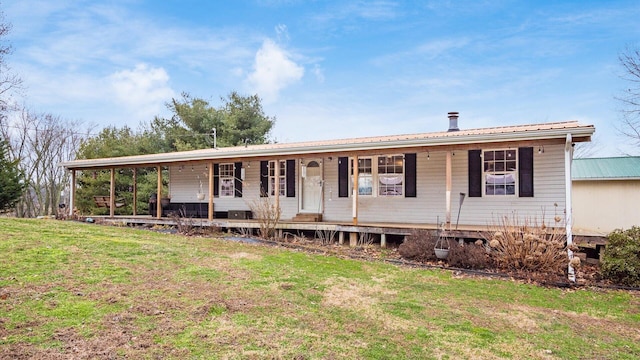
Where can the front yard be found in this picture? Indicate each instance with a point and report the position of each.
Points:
(72, 290)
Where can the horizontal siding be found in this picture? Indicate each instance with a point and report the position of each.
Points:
(184, 185)
(429, 206)
(600, 207)
(549, 190)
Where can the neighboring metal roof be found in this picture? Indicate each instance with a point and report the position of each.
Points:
(611, 168)
(556, 130)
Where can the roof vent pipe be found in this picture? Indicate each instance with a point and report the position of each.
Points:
(453, 121)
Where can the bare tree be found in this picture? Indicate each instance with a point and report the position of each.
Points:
(40, 142)
(584, 150)
(9, 82)
(630, 98)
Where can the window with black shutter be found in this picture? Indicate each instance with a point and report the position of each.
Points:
(343, 176)
(475, 173)
(238, 179)
(525, 171)
(216, 180)
(291, 178)
(264, 178)
(410, 175)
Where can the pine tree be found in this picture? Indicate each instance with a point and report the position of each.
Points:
(11, 181)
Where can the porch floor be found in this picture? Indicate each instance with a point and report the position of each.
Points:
(285, 226)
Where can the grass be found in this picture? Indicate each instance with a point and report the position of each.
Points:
(71, 290)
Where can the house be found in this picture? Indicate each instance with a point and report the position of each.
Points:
(466, 179)
(606, 194)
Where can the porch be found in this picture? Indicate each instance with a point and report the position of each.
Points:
(344, 232)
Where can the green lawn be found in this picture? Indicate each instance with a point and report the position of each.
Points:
(70, 290)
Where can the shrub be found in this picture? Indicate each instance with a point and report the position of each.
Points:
(528, 246)
(468, 256)
(419, 246)
(621, 259)
(268, 215)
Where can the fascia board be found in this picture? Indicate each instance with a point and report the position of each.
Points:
(329, 148)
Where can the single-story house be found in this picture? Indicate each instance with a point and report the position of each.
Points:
(466, 179)
(606, 194)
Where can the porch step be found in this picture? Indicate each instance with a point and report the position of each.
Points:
(308, 217)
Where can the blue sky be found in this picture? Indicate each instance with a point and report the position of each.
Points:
(331, 69)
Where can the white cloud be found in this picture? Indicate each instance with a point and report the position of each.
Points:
(142, 90)
(273, 70)
(282, 32)
(317, 71)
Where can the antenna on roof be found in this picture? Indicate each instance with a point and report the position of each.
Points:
(213, 138)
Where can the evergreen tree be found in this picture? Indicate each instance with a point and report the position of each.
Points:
(11, 181)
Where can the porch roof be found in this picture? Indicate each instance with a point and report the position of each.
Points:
(544, 131)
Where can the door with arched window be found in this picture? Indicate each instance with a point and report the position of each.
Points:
(312, 187)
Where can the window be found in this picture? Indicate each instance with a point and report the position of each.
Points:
(365, 176)
(500, 172)
(227, 182)
(387, 179)
(281, 177)
(390, 175)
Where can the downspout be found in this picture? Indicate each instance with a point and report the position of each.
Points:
(568, 157)
(448, 186)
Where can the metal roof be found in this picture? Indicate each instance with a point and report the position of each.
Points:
(611, 168)
(545, 131)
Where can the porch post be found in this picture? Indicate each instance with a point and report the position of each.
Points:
(568, 157)
(448, 189)
(355, 190)
(135, 192)
(112, 195)
(210, 212)
(72, 192)
(159, 191)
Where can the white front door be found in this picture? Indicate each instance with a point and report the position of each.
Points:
(312, 184)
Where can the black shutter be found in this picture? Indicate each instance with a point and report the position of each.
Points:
(216, 180)
(525, 171)
(237, 174)
(291, 178)
(264, 178)
(410, 171)
(343, 177)
(475, 173)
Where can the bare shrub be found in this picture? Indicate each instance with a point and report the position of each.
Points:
(419, 246)
(364, 240)
(468, 256)
(528, 246)
(184, 224)
(268, 213)
(245, 231)
(326, 237)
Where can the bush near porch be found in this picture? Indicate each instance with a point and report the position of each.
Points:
(621, 260)
(532, 252)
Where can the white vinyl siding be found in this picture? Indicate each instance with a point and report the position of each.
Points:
(428, 207)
